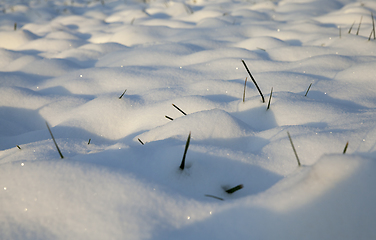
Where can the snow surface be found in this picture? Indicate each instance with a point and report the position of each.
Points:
(67, 62)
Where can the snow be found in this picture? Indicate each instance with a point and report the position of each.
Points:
(66, 63)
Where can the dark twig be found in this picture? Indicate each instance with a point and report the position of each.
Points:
(369, 38)
(182, 165)
(19, 147)
(351, 27)
(15, 26)
(57, 147)
(169, 118)
(212, 196)
(293, 148)
(234, 189)
(89, 141)
(179, 109)
(140, 141)
(270, 99)
(254, 81)
(122, 94)
(245, 86)
(360, 23)
(345, 149)
(309, 87)
(373, 26)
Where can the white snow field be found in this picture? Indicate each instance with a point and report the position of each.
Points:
(67, 63)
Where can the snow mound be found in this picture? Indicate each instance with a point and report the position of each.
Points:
(203, 125)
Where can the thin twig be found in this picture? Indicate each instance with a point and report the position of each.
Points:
(122, 94)
(293, 148)
(351, 27)
(18, 147)
(360, 23)
(57, 147)
(234, 189)
(170, 118)
(89, 141)
(179, 109)
(345, 149)
(245, 86)
(212, 196)
(308, 90)
(373, 26)
(254, 81)
(182, 165)
(270, 99)
(141, 141)
(15, 26)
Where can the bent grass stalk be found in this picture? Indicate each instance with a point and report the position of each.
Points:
(293, 148)
(179, 109)
(254, 81)
(182, 165)
(270, 99)
(57, 147)
(309, 87)
(234, 189)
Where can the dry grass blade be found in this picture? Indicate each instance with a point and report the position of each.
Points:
(212, 196)
(140, 141)
(309, 87)
(345, 149)
(293, 148)
(351, 27)
(245, 86)
(15, 26)
(57, 147)
(369, 38)
(339, 31)
(360, 23)
(234, 189)
(122, 94)
(169, 118)
(182, 165)
(179, 109)
(373, 26)
(270, 99)
(254, 81)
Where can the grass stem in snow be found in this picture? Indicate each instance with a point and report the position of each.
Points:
(270, 99)
(339, 31)
(245, 86)
(15, 26)
(89, 141)
(345, 149)
(293, 148)
(18, 147)
(122, 94)
(234, 189)
(373, 26)
(254, 81)
(309, 87)
(351, 27)
(169, 118)
(212, 196)
(360, 23)
(179, 109)
(182, 165)
(57, 147)
(140, 141)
